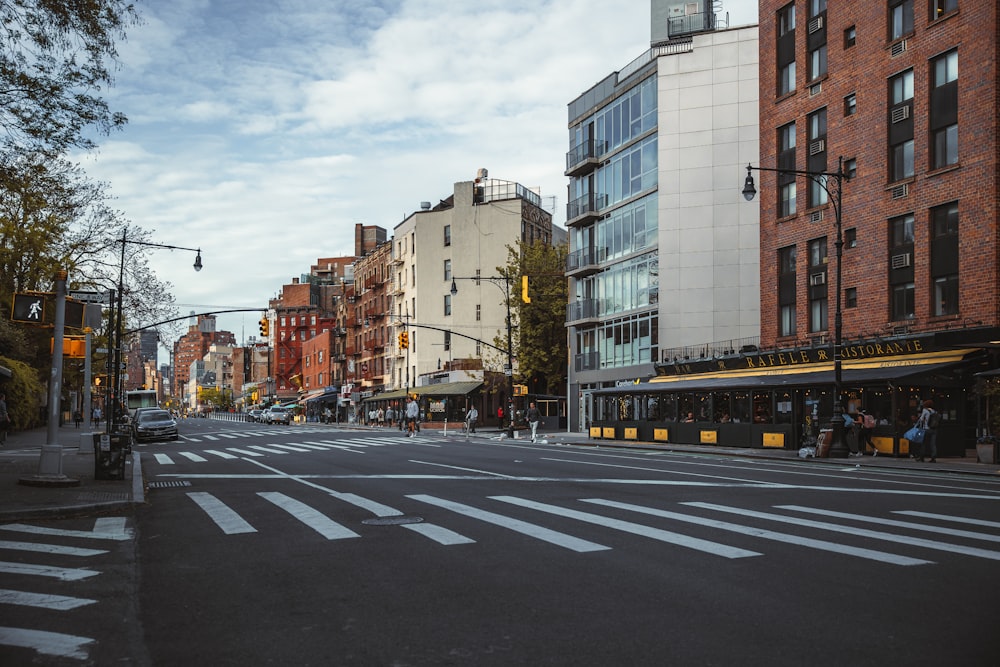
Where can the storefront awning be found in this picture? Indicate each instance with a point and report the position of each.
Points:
(436, 390)
(319, 393)
(868, 370)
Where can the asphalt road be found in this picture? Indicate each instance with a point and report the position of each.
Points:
(308, 545)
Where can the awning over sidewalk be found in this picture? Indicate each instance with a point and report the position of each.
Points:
(436, 390)
(318, 394)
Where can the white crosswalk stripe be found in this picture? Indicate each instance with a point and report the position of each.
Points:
(60, 573)
(244, 452)
(225, 518)
(45, 601)
(319, 522)
(221, 455)
(56, 644)
(270, 450)
(163, 459)
(193, 457)
(896, 524)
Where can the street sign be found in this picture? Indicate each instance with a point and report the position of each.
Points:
(90, 297)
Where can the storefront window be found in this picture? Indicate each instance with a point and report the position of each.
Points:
(762, 413)
(723, 411)
(741, 406)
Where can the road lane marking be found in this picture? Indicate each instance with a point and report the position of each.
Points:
(523, 527)
(291, 448)
(269, 450)
(677, 539)
(50, 548)
(953, 532)
(338, 443)
(319, 522)
(954, 519)
(192, 456)
(244, 452)
(216, 452)
(209, 437)
(224, 517)
(823, 545)
(473, 470)
(310, 447)
(853, 530)
(105, 528)
(53, 602)
(163, 459)
(60, 573)
(47, 643)
(438, 534)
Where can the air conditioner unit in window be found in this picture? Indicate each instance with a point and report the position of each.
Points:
(815, 24)
(817, 279)
(815, 90)
(817, 146)
(900, 191)
(898, 48)
(901, 261)
(900, 114)
(816, 216)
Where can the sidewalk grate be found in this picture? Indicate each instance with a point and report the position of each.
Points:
(169, 484)
(92, 497)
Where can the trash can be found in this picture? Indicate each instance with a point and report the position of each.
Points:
(110, 450)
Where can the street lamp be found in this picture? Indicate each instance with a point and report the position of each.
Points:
(115, 387)
(509, 370)
(838, 448)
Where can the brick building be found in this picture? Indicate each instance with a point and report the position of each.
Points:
(193, 346)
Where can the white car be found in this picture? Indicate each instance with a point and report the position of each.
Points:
(277, 415)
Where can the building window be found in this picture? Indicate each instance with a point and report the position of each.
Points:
(786, 79)
(945, 146)
(902, 302)
(786, 19)
(902, 160)
(850, 105)
(479, 312)
(944, 259)
(851, 167)
(941, 7)
(817, 286)
(851, 237)
(817, 63)
(818, 196)
(786, 203)
(851, 297)
(901, 87)
(900, 19)
(786, 160)
(447, 235)
(816, 7)
(850, 37)
(786, 291)
(447, 341)
(447, 269)
(447, 304)
(945, 68)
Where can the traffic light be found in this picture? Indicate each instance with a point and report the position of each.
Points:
(524, 290)
(265, 327)
(404, 340)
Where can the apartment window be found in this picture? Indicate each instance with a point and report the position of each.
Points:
(901, 87)
(851, 104)
(447, 341)
(786, 291)
(816, 160)
(901, 267)
(943, 110)
(900, 18)
(851, 167)
(786, 160)
(447, 304)
(817, 286)
(902, 232)
(786, 79)
(902, 302)
(944, 259)
(851, 297)
(786, 19)
(941, 7)
(902, 160)
(851, 237)
(479, 312)
(850, 37)
(816, 7)
(447, 235)
(817, 62)
(785, 50)
(447, 269)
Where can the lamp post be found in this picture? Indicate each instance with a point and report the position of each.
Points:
(115, 386)
(838, 448)
(509, 370)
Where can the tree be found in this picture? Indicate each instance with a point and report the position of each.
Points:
(540, 343)
(55, 58)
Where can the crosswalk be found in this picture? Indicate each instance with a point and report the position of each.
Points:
(352, 445)
(691, 525)
(43, 575)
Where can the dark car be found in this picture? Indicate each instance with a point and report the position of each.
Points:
(154, 425)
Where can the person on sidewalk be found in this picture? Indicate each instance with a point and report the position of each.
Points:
(470, 420)
(412, 414)
(533, 416)
(77, 418)
(929, 420)
(867, 422)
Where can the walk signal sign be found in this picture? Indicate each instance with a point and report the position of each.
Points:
(29, 307)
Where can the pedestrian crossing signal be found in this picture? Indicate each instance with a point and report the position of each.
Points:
(28, 307)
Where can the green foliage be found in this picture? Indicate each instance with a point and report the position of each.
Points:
(25, 391)
(55, 59)
(540, 344)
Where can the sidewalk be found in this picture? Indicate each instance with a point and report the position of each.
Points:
(20, 457)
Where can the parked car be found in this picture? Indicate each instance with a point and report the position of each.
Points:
(255, 415)
(279, 415)
(154, 425)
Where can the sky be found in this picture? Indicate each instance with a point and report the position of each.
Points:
(262, 131)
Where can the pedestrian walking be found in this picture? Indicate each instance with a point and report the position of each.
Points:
(95, 417)
(533, 416)
(412, 414)
(77, 418)
(380, 417)
(929, 421)
(867, 421)
(390, 416)
(470, 420)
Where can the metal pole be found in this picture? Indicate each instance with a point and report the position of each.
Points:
(838, 448)
(510, 366)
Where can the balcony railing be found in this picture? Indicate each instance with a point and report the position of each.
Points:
(584, 208)
(588, 361)
(584, 309)
(584, 156)
(581, 260)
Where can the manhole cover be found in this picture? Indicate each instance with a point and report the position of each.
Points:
(397, 520)
(169, 484)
